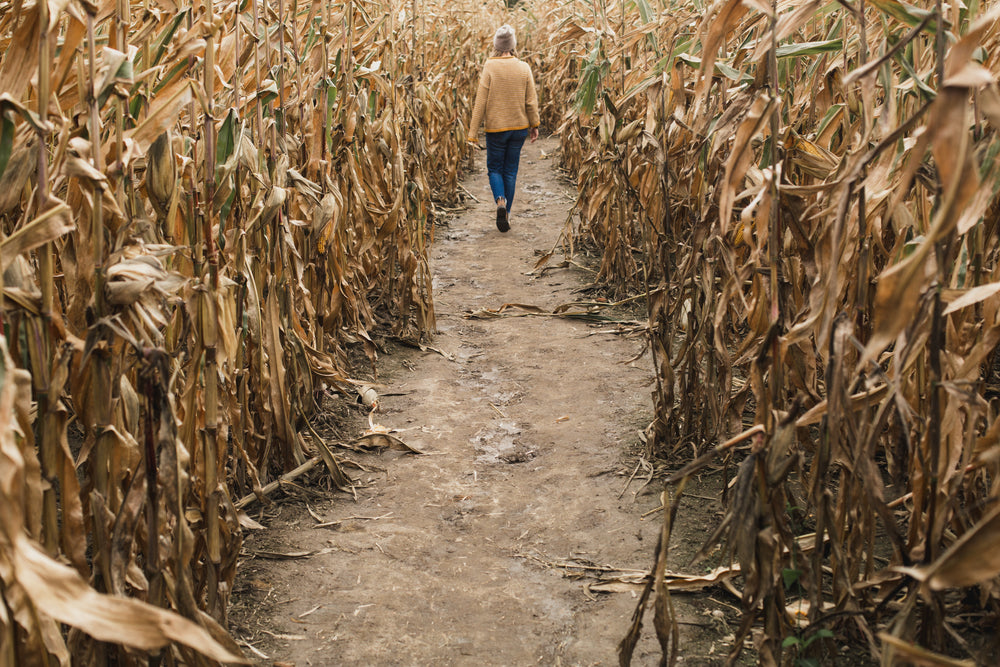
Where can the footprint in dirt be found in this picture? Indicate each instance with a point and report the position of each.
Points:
(500, 443)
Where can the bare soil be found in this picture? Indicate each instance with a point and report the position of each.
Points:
(482, 550)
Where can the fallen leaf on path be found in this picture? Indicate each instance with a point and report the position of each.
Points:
(496, 312)
(622, 580)
(590, 313)
(426, 348)
(613, 587)
(247, 523)
(379, 440)
(676, 581)
(541, 269)
(543, 260)
(291, 555)
(256, 651)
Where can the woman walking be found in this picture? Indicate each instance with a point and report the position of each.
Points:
(507, 104)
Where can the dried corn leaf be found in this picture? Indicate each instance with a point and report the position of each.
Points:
(973, 559)
(20, 64)
(163, 113)
(901, 651)
(379, 440)
(959, 300)
(59, 592)
(55, 222)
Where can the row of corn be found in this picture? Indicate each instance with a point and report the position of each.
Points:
(806, 192)
(205, 207)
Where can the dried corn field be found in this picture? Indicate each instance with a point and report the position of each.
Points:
(207, 207)
(806, 192)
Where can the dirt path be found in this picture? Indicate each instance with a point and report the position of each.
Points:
(524, 429)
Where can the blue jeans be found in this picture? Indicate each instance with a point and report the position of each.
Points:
(503, 152)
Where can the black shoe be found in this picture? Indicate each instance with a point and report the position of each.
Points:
(502, 223)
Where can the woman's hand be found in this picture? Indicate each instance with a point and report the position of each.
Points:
(533, 134)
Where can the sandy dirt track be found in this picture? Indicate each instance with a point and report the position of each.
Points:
(448, 558)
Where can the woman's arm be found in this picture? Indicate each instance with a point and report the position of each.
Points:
(531, 106)
(479, 108)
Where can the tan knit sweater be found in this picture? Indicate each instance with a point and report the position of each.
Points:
(506, 99)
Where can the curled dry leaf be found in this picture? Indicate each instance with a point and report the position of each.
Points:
(973, 559)
(900, 651)
(58, 592)
(383, 440)
(55, 222)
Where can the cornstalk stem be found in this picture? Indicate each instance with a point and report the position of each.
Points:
(238, 69)
(324, 93)
(97, 213)
(209, 332)
(936, 344)
(47, 444)
(259, 117)
(124, 10)
(281, 70)
(193, 228)
(861, 307)
(100, 363)
(42, 191)
(937, 341)
(349, 51)
(209, 138)
(413, 49)
(774, 242)
(152, 418)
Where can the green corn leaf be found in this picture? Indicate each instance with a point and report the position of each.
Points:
(268, 92)
(809, 48)
(163, 41)
(313, 35)
(929, 93)
(731, 72)
(172, 74)
(830, 114)
(120, 71)
(789, 576)
(226, 141)
(645, 11)
(590, 82)
(721, 69)
(225, 165)
(6, 140)
(227, 206)
(904, 13)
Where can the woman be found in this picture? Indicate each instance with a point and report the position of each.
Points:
(507, 104)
